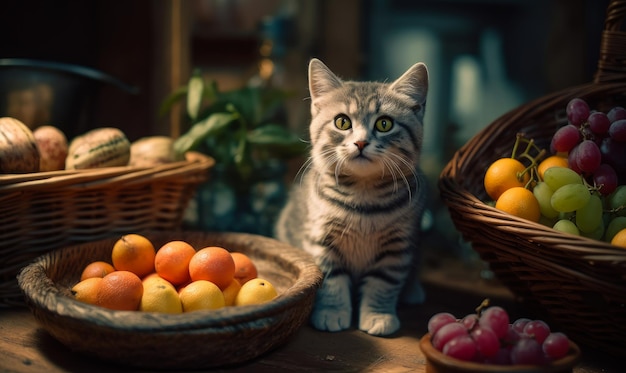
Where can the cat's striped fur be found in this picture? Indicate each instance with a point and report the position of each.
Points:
(357, 207)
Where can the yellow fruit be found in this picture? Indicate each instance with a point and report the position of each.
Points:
(159, 295)
(201, 295)
(619, 239)
(520, 202)
(255, 291)
(504, 174)
(134, 253)
(87, 290)
(551, 161)
(231, 291)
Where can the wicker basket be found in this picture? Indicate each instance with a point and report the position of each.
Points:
(43, 211)
(578, 284)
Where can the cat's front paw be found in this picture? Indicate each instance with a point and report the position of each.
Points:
(331, 319)
(379, 324)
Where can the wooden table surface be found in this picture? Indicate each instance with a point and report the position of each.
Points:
(26, 347)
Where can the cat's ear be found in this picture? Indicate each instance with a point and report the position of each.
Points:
(321, 79)
(413, 83)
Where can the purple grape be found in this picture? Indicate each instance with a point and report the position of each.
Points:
(438, 320)
(503, 357)
(512, 335)
(617, 131)
(556, 345)
(572, 160)
(519, 324)
(565, 138)
(614, 154)
(527, 351)
(486, 340)
(446, 333)
(599, 122)
(470, 321)
(588, 156)
(606, 179)
(616, 113)
(496, 319)
(461, 347)
(577, 111)
(537, 329)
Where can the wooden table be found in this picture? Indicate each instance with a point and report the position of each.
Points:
(25, 347)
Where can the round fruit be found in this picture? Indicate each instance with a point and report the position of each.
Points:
(520, 202)
(201, 295)
(53, 147)
(245, 270)
(172, 261)
(87, 290)
(96, 269)
(231, 291)
(503, 174)
(551, 161)
(619, 239)
(18, 148)
(255, 291)
(159, 296)
(120, 290)
(213, 264)
(134, 253)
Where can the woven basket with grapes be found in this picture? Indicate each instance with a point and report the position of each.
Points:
(573, 275)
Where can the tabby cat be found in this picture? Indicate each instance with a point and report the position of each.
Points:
(357, 208)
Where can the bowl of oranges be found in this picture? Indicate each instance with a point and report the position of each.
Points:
(175, 300)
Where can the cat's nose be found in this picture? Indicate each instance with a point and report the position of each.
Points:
(361, 144)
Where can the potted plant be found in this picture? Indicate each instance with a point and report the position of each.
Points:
(245, 131)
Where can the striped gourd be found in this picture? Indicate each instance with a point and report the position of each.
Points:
(100, 147)
(18, 149)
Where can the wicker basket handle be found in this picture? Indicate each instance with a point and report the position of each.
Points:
(612, 61)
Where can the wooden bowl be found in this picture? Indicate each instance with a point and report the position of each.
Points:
(200, 339)
(437, 362)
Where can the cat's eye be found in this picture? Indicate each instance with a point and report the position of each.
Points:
(343, 122)
(384, 124)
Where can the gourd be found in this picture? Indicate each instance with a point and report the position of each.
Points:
(18, 148)
(100, 147)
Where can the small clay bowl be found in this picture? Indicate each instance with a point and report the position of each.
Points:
(437, 362)
(193, 340)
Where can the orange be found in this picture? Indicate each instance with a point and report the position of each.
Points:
(504, 174)
(619, 239)
(245, 270)
(520, 202)
(120, 290)
(201, 295)
(551, 161)
(213, 264)
(87, 290)
(172, 261)
(134, 253)
(255, 291)
(231, 291)
(96, 269)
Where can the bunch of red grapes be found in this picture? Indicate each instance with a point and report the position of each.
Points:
(595, 142)
(488, 337)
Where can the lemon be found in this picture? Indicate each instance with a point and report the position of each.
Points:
(619, 239)
(231, 291)
(159, 296)
(255, 291)
(87, 290)
(201, 295)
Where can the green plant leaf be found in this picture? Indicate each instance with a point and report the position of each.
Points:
(170, 100)
(194, 95)
(277, 140)
(199, 131)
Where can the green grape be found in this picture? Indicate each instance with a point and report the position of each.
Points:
(570, 197)
(618, 199)
(566, 226)
(615, 225)
(557, 177)
(589, 217)
(596, 234)
(543, 193)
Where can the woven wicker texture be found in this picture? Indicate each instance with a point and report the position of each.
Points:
(43, 211)
(579, 284)
(192, 340)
